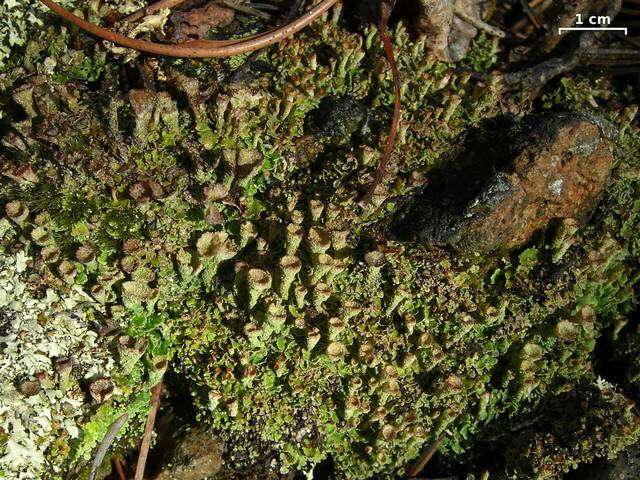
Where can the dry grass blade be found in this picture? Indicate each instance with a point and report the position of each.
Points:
(148, 431)
(246, 9)
(425, 457)
(386, 8)
(106, 442)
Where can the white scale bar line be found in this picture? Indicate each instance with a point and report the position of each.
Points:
(594, 29)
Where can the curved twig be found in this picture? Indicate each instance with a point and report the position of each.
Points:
(198, 48)
(385, 12)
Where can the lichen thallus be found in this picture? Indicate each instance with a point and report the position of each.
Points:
(225, 48)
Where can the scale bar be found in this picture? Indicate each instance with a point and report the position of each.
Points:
(594, 29)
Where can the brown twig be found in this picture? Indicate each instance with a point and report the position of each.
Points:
(386, 7)
(199, 48)
(417, 467)
(632, 40)
(533, 16)
(539, 7)
(118, 464)
(246, 9)
(479, 24)
(534, 78)
(611, 57)
(153, 8)
(148, 431)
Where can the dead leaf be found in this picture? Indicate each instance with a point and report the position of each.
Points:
(197, 22)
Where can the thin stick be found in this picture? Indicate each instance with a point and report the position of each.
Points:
(263, 6)
(425, 457)
(625, 71)
(246, 9)
(532, 14)
(199, 48)
(148, 431)
(119, 469)
(106, 442)
(386, 6)
(632, 40)
(153, 8)
(543, 4)
(479, 24)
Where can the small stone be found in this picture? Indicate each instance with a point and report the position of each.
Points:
(195, 454)
(337, 119)
(548, 169)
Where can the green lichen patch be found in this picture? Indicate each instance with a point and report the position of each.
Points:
(50, 355)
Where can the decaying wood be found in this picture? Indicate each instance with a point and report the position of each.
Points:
(197, 22)
(533, 79)
(151, 9)
(435, 21)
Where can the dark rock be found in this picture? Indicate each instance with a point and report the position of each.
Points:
(542, 169)
(625, 467)
(337, 119)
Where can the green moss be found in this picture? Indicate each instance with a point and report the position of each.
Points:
(482, 55)
(96, 428)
